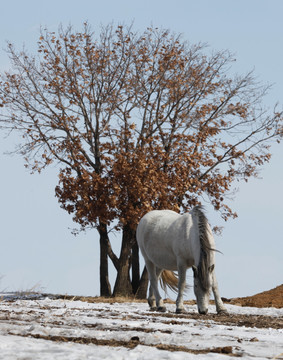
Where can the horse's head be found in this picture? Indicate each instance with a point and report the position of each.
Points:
(202, 287)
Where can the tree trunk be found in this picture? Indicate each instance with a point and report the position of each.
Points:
(143, 285)
(105, 288)
(123, 286)
(135, 267)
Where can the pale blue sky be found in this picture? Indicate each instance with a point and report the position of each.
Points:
(37, 247)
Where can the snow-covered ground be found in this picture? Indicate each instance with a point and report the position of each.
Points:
(43, 328)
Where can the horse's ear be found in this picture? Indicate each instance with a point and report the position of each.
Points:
(195, 270)
(211, 268)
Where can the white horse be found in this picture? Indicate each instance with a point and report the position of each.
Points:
(170, 242)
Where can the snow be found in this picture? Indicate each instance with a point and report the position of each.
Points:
(44, 328)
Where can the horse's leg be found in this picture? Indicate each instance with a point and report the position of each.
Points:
(182, 269)
(160, 304)
(220, 308)
(153, 274)
(151, 299)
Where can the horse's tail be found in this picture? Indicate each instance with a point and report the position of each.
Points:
(169, 279)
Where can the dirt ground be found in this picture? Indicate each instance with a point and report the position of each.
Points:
(270, 298)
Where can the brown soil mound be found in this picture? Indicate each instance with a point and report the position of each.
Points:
(270, 298)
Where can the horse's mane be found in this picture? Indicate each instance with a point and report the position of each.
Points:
(205, 249)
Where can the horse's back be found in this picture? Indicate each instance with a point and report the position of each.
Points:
(160, 235)
(156, 215)
(155, 221)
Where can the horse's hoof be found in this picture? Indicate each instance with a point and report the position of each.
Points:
(154, 308)
(161, 309)
(180, 311)
(222, 312)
